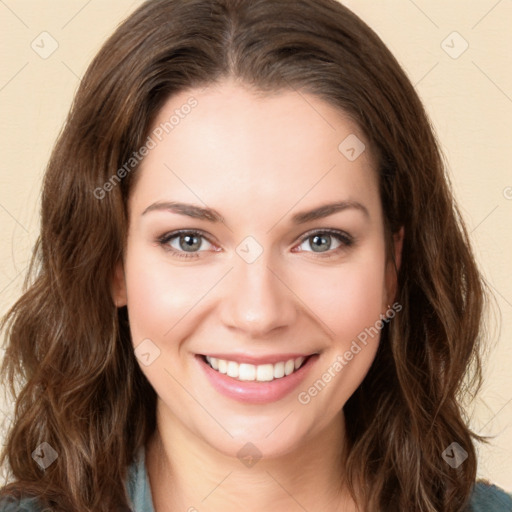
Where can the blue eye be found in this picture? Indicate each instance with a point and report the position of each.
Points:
(190, 243)
(184, 244)
(321, 241)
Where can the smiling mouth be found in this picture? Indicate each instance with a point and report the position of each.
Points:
(255, 373)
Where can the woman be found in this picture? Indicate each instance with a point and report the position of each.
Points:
(185, 341)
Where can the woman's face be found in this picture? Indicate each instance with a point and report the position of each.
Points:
(265, 271)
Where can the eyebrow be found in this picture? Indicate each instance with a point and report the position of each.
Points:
(212, 215)
(197, 212)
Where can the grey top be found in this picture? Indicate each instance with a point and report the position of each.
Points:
(486, 497)
(137, 485)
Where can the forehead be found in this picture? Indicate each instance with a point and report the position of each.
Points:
(225, 145)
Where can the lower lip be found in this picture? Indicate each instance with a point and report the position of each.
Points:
(254, 392)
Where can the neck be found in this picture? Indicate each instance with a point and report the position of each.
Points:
(187, 474)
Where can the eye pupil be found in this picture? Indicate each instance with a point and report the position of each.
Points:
(324, 242)
(190, 242)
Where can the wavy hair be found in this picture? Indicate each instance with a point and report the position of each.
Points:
(69, 360)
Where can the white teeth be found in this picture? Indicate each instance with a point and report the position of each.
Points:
(298, 362)
(232, 369)
(251, 372)
(278, 370)
(247, 371)
(223, 366)
(289, 366)
(265, 372)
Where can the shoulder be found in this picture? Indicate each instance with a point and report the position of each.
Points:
(137, 484)
(487, 497)
(137, 488)
(11, 504)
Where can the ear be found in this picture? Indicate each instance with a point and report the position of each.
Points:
(394, 266)
(119, 295)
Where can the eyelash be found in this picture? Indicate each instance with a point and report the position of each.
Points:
(343, 237)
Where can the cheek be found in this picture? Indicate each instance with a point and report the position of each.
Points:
(347, 299)
(349, 305)
(162, 299)
(159, 294)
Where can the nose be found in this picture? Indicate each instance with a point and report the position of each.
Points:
(258, 301)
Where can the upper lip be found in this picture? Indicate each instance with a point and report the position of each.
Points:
(256, 360)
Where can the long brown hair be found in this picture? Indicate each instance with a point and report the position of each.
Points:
(69, 360)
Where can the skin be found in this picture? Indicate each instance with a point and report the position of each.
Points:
(257, 161)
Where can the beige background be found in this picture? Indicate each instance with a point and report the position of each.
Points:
(468, 96)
